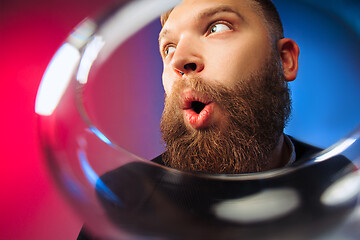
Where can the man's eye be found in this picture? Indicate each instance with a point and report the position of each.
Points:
(219, 27)
(169, 49)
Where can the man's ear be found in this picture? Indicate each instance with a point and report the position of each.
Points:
(289, 55)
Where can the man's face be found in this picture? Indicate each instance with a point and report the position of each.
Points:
(221, 41)
(225, 95)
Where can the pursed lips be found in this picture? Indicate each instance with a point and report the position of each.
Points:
(197, 109)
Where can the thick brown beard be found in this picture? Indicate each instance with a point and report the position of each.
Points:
(257, 108)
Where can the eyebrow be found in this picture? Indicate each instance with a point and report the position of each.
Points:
(207, 13)
(212, 11)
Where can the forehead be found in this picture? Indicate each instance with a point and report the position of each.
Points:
(190, 11)
(236, 4)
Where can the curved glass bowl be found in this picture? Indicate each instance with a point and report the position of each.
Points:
(98, 107)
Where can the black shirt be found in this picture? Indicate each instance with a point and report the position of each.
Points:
(158, 202)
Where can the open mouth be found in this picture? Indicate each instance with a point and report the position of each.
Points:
(198, 109)
(197, 106)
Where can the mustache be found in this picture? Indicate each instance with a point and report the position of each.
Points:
(212, 90)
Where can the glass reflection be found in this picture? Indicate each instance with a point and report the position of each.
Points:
(122, 195)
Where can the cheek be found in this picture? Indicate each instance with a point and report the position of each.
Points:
(167, 82)
(232, 64)
(227, 66)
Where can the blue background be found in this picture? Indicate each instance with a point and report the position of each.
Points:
(326, 92)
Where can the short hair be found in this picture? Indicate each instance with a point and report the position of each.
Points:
(272, 18)
(268, 11)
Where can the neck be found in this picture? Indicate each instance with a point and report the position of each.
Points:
(280, 156)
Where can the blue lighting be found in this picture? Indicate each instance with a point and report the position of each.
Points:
(100, 135)
(347, 10)
(94, 179)
(325, 93)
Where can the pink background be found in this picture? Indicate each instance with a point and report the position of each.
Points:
(30, 33)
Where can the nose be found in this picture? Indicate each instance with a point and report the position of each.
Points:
(187, 58)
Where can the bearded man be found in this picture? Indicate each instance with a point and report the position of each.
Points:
(225, 75)
(226, 68)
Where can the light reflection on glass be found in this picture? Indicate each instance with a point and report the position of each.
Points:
(339, 147)
(91, 52)
(94, 179)
(343, 190)
(56, 79)
(82, 33)
(279, 195)
(267, 205)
